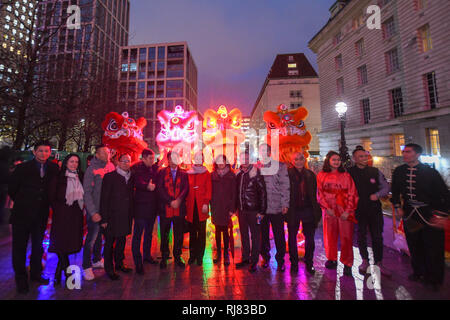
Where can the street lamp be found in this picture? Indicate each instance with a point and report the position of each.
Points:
(341, 109)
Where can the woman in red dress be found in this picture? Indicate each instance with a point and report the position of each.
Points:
(337, 195)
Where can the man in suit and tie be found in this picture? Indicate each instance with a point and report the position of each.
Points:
(28, 188)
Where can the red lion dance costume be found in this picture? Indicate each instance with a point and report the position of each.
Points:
(337, 191)
(292, 134)
(123, 135)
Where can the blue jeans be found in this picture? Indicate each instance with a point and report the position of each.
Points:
(92, 244)
(141, 225)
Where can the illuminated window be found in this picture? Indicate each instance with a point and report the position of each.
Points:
(420, 4)
(293, 72)
(424, 38)
(292, 65)
(398, 143)
(433, 146)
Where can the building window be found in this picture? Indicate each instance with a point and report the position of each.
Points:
(389, 28)
(420, 4)
(161, 53)
(142, 54)
(337, 38)
(398, 143)
(359, 46)
(293, 72)
(357, 22)
(292, 65)
(338, 62)
(433, 146)
(397, 102)
(424, 38)
(340, 86)
(295, 93)
(431, 90)
(295, 105)
(362, 75)
(151, 53)
(175, 52)
(365, 107)
(291, 58)
(392, 61)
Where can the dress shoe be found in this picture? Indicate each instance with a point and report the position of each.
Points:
(243, 263)
(294, 267)
(253, 268)
(41, 280)
(226, 260)
(281, 267)
(163, 264)
(151, 261)
(124, 269)
(415, 277)
(265, 263)
(216, 260)
(310, 269)
(113, 276)
(191, 260)
(180, 263)
(348, 271)
(200, 262)
(330, 264)
(140, 270)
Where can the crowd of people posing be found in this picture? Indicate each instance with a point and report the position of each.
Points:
(121, 197)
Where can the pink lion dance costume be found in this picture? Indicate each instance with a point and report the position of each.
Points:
(123, 135)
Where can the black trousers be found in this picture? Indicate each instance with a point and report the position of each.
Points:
(197, 236)
(427, 248)
(222, 231)
(247, 222)
(165, 225)
(372, 222)
(113, 252)
(308, 230)
(277, 222)
(20, 236)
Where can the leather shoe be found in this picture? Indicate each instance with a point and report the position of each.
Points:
(180, 263)
(294, 267)
(151, 261)
(191, 260)
(253, 268)
(163, 264)
(41, 280)
(348, 271)
(124, 269)
(113, 276)
(310, 269)
(216, 260)
(199, 262)
(243, 263)
(226, 261)
(330, 264)
(140, 270)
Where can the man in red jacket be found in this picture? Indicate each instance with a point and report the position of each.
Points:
(197, 205)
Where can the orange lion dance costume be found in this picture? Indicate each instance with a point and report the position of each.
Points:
(123, 135)
(292, 133)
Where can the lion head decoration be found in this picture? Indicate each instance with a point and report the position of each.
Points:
(123, 135)
(179, 130)
(292, 134)
(222, 131)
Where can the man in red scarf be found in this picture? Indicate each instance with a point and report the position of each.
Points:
(173, 188)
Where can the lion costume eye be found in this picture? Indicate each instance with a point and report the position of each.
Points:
(301, 124)
(272, 125)
(112, 125)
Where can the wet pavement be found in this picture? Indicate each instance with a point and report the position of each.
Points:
(218, 282)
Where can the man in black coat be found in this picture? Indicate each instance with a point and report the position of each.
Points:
(173, 188)
(145, 176)
(423, 191)
(252, 205)
(116, 209)
(303, 207)
(28, 188)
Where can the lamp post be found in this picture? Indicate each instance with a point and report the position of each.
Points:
(341, 109)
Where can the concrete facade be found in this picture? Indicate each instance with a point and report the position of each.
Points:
(361, 67)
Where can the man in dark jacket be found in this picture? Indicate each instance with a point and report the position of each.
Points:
(145, 207)
(173, 188)
(303, 207)
(371, 185)
(28, 188)
(252, 205)
(116, 209)
(423, 190)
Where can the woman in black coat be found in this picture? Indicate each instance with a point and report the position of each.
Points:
(66, 198)
(223, 203)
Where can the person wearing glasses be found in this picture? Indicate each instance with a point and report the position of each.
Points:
(116, 207)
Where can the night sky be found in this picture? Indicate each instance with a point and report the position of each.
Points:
(234, 43)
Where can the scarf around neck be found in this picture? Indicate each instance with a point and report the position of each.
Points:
(123, 173)
(74, 190)
(197, 170)
(222, 172)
